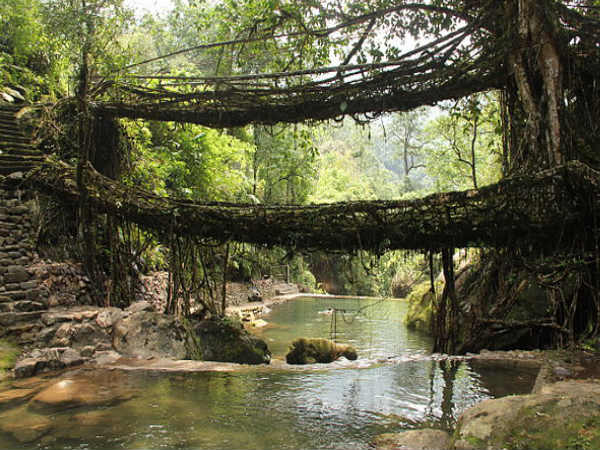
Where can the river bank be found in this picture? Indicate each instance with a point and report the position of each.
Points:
(70, 386)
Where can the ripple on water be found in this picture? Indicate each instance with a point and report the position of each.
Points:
(272, 409)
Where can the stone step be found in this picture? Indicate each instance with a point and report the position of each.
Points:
(10, 130)
(25, 158)
(9, 127)
(22, 306)
(30, 294)
(7, 169)
(9, 114)
(15, 144)
(17, 141)
(23, 151)
(285, 289)
(13, 248)
(8, 319)
(22, 333)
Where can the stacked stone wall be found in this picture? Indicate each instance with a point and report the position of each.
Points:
(21, 300)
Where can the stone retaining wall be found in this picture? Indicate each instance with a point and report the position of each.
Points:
(21, 300)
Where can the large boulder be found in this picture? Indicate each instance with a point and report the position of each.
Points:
(560, 415)
(146, 334)
(310, 351)
(226, 340)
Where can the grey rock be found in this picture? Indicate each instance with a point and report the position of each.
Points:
(88, 351)
(106, 357)
(562, 372)
(25, 368)
(108, 317)
(139, 307)
(46, 335)
(218, 340)
(148, 334)
(15, 176)
(29, 285)
(71, 357)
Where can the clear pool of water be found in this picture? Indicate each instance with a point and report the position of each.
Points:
(393, 386)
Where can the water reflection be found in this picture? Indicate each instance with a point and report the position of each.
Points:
(260, 409)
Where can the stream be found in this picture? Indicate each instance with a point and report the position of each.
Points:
(394, 385)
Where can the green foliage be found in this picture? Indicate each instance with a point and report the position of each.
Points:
(234, 19)
(8, 356)
(349, 169)
(402, 150)
(30, 60)
(189, 161)
(282, 164)
(464, 145)
(97, 27)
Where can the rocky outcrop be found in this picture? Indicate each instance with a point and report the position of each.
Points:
(148, 334)
(310, 351)
(561, 415)
(152, 335)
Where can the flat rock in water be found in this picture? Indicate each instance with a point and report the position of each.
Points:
(77, 392)
(425, 439)
(14, 396)
(24, 425)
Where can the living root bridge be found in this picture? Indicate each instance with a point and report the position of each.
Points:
(545, 209)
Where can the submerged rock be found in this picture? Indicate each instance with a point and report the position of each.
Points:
(15, 396)
(560, 415)
(425, 439)
(23, 425)
(80, 391)
(309, 351)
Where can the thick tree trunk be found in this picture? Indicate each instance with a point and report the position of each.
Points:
(537, 70)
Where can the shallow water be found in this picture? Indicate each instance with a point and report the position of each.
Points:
(268, 409)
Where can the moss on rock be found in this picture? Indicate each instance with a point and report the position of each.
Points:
(8, 357)
(309, 351)
(226, 340)
(420, 308)
(563, 415)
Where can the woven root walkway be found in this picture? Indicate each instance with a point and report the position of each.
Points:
(545, 209)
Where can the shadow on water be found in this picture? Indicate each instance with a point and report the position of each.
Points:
(268, 409)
